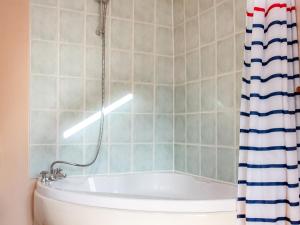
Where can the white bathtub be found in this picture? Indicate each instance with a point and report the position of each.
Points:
(135, 199)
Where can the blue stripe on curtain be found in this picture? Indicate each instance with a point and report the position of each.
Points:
(268, 186)
(269, 202)
(269, 220)
(269, 113)
(273, 94)
(268, 166)
(273, 76)
(276, 22)
(275, 40)
(271, 130)
(269, 148)
(274, 58)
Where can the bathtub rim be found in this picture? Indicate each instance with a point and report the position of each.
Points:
(128, 202)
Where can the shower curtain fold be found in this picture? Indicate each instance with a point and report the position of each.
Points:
(268, 176)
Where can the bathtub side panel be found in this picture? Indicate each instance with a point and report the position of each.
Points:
(53, 212)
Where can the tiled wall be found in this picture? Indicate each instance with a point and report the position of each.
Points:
(66, 84)
(189, 124)
(208, 49)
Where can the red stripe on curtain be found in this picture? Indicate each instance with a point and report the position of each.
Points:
(276, 5)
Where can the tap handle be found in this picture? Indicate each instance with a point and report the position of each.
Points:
(44, 176)
(59, 173)
(44, 173)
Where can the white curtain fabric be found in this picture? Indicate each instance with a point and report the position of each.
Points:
(268, 179)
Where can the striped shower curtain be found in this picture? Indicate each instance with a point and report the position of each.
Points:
(268, 180)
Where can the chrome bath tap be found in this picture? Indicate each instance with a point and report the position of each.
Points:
(53, 175)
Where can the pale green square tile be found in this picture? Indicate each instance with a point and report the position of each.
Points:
(180, 99)
(101, 164)
(226, 164)
(121, 8)
(93, 62)
(225, 57)
(93, 6)
(144, 10)
(43, 23)
(208, 61)
(164, 12)
(193, 97)
(240, 18)
(225, 20)
(208, 162)
(91, 132)
(71, 153)
(120, 158)
(163, 157)
(43, 92)
(207, 33)
(43, 127)
(205, 4)
(208, 128)
(179, 157)
(143, 37)
(238, 89)
(93, 95)
(164, 43)
(117, 91)
(142, 157)
(226, 128)
(178, 11)
(143, 98)
(121, 68)
(71, 26)
(193, 129)
(143, 68)
(164, 70)
(143, 128)
(192, 28)
(121, 34)
(236, 167)
(179, 69)
(225, 92)
(120, 128)
(66, 121)
(192, 155)
(44, 57)
(179, 40)
(192, 66)
(41, 156)
(71, 4)
(92, 24)
(71, 60)
(239, 48)
(191, 8)
(179, 128)
(70, 87)
(163, 128)
(164, 99)
(208, 95)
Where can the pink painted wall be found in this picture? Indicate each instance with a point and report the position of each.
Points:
(15, 186)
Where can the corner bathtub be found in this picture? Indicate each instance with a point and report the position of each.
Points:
(135, 199)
